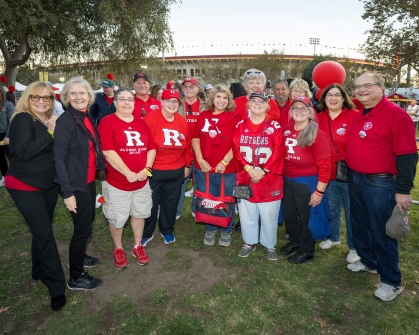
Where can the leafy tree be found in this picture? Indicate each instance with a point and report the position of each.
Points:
(56, 32)
(395, 31)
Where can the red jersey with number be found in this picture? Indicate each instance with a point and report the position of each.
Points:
(215, 133)
(241, 108)
(142, 107)
(308, 161)
(378, 137)
(173, 141)
(260, 146)
(339, 130)
(131, 141)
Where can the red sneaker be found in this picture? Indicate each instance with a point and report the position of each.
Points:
(139, 253)
(120, 258)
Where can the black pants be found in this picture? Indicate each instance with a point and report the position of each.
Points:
(3, 151)
(297, 214)
(166, 186)
(37, 207)
(82, 228)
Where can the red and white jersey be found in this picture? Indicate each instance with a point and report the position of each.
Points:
(131, 141)
(141, 107)
(260, 146)
(308, 161)
(173, 141)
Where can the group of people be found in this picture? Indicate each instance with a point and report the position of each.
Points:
(145, 149)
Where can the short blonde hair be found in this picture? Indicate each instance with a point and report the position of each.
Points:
(220, 88)
(301, 84)
(81, 81)
(24, 106)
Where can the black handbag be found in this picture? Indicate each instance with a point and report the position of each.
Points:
(342, 171)
(242, 191)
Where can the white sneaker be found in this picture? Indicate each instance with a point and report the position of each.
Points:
(189, 193)
(387, 292)
(193, 214)
(327, 244)
(2, 181)
(359, 267)
(352, 257)
(177, 217)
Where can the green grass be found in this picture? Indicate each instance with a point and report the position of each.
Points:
(249, 296)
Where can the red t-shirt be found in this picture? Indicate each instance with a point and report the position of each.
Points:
(131, 141)
(271, 154)
(215, 133)
(281, 108)
(141, 106)
(378, 137)
(173, 141)
(92, 154)
(241, 108)
(109, 100)
(285, 117)
(16, 184)
(192, 115)
(340, 128)
(308, 161)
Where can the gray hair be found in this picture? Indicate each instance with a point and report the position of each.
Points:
(254, 74)
(81, 81)
(280, 80)
(120, 90)
(377, 78)
(308, 135)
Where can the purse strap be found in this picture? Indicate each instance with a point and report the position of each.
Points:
(207, 186)
(331, 137)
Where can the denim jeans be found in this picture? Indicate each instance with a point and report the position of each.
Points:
(215, 188)
(372, 202)
(338, 195)
(179, 208)
(250, 212)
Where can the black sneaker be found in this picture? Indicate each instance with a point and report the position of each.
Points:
(85, 282)
(89, 262)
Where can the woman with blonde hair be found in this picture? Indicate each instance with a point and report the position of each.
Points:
(77, 155)
(212, 143)
(30, 183)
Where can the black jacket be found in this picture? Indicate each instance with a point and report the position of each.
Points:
(71, 154)
(100, 108)
(31, 152)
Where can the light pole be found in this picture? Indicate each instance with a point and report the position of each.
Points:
(314, 41)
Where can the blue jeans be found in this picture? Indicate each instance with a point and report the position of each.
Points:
(215, 189)
(372, 202)
(179, 208)
(338, 195)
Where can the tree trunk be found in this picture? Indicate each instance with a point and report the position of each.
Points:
(11, 74)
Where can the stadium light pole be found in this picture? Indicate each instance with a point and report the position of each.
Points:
(314, 41)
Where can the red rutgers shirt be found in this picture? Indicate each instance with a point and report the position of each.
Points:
(269, 156)
(308, 161)
(173, 141)
(131, 141)
(241, 108)
(215, 133)
(378, 137)
(339, 127)
(141, 106)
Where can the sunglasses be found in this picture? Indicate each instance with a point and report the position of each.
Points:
(255, 72)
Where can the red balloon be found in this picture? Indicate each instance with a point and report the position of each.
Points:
(110, 76)
(328, 72)
(11, 88)
(319, 93)
(3, 79)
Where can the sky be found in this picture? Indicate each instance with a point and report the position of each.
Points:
(244, 26)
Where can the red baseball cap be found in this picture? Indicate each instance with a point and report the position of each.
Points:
(190, 80)
(306, 101)
(169, 94)
(170, 84)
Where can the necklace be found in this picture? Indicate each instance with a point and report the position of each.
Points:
(43, 122)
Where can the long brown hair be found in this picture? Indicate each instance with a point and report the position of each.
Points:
(347, 102)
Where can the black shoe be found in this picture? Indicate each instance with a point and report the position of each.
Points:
(58, 302)
(89, 262)
(300, 257)
(288, 249)
(85, 282)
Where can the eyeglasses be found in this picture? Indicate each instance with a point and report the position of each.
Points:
(257, 101)
(298, 91)
(255, 72)
(172, 102)
(190, 87)
(336, 95)
(299, 109)
(36, 98)
(130, 100)
(367, 86)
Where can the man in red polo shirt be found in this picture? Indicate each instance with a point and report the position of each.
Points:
(382, 155)
(144, 103)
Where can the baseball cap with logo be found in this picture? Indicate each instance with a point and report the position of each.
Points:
(208, 87)
(108, 83)
(170, 84)
(190, 80)
(306, 101)
(257, 95)
(398, 226)
(169, 94)
(140, 75)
